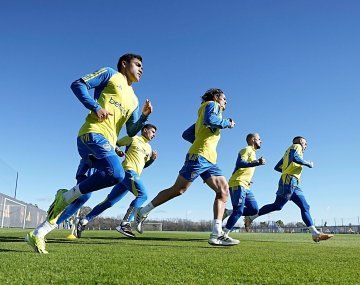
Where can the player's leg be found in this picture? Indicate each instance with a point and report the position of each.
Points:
(108, 172)
(140, 193)
(188, 173)
(251, 205)
(299, 199)
(220, 186)
(37, 236)
(237, 195)
(179, 187)
(283, 195)
(116, 194)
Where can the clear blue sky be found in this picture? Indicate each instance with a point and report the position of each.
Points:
(287, 67)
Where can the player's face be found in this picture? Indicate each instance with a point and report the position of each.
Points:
(257, 141)
(149, 133)
(133, 70)
(303, 143)
(221, 99)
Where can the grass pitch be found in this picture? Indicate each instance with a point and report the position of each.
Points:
(105, 257)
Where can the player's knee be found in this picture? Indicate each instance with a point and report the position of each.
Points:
(278, 207)
(222, 194)
(253, 211)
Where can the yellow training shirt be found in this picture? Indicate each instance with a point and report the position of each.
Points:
(289, 167)
(138, 152)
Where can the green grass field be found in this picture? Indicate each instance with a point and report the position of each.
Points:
(105, 257)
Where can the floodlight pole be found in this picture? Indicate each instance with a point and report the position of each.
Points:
(16, 183)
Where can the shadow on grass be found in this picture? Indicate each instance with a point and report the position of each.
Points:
(9, 250)
(12, 239)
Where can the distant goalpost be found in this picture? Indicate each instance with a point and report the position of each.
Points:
(13, 214)
(152, 227)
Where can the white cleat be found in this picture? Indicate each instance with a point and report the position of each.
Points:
(139, 220)
(222, 240)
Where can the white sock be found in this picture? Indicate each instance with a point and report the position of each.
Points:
(217, 227)
(72, 194)
(146, 210)
(43, 229)
(313, 230)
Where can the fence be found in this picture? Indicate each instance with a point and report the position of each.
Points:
(18, 214)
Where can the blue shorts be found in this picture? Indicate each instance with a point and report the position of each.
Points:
(96, 145)
(287, 187)
(196, 165)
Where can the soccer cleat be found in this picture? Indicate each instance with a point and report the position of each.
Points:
(37, 243)
(71, 237)
(223, 240)
(227, 213)
(125, 229)
(247, 222)
(321, 236)
(80, 227)
(57, 207)
(139, 220)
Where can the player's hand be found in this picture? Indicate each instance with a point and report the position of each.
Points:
(119, 152)
(154, 155)
(147, 108)
(262, 161)
(311, 164)
(103, 114)
(232, 123)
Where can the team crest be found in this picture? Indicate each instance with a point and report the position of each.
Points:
(107, 146)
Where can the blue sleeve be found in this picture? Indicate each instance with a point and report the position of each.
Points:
(212, 119)
(240, 163)
(189, 134)
(135, 123)
(149, 162)
(278, 166)
(98, 79)
(294, 156)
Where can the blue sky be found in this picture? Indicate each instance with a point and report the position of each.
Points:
(287, 67)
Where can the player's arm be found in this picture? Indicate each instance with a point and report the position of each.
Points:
(242, 162)
(82, 86)
(135, 123)
(124, 141)
(295, 157)
(189, 134)
(212, 119)
(152, 159)
(278, 166)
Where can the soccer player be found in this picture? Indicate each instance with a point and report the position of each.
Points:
(242, 198)
(114, 105)
(139, 155)
(201, 160)
(290, 167)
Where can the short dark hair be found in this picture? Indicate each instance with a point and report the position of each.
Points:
(297, 139)
(149, 126)
(211, 94)
(249, 137)
(127, 58)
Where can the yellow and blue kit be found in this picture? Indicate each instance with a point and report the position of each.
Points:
(290, 167)
(138, 153)
(97, 139)
(204, 136)
(242, 199)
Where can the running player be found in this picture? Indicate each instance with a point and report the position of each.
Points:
(138, 155)
(201, 160)
(290, 167)
(242, 198)
(114, 104)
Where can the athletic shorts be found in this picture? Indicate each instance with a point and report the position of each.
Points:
(96, 145)
(196, 165)
(287, 186)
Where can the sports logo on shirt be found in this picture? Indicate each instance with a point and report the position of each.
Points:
(118, 105)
